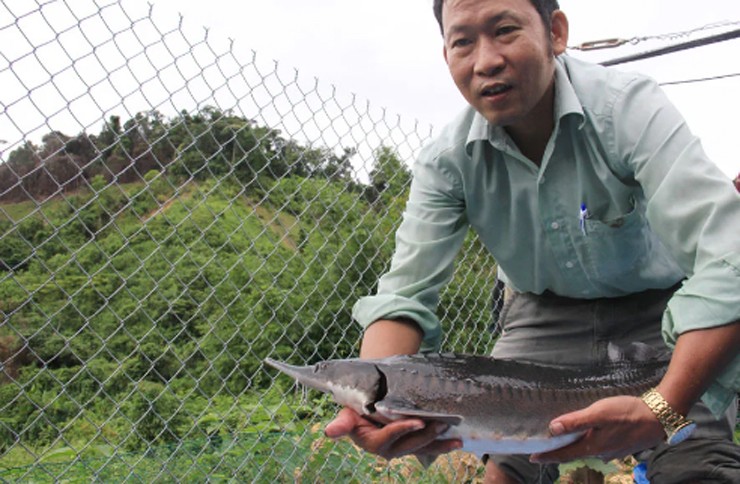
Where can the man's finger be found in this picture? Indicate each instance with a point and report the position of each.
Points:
(392, 440)
(422, 441)
(344, 423)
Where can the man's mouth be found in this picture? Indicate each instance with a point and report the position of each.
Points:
(495, 90)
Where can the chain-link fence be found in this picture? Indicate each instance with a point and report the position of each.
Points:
(173, 211)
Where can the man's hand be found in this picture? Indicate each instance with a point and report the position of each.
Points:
(614, 427)
(394, 439)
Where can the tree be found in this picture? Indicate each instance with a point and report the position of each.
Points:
(109, 136)
(83, 148)
(22, 159)
(389, 175)
(21, 162)
(59, 170)
(145, 144)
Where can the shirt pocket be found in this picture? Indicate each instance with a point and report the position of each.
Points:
(615, 249)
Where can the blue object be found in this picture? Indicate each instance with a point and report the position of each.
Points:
(582, 216)
(639, 474)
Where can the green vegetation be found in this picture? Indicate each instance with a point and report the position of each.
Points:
(293, 453)
(146, 272)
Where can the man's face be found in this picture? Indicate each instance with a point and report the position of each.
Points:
(501, 58)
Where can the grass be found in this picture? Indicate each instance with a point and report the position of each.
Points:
(278, 456)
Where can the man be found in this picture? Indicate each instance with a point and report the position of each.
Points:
(605, 217)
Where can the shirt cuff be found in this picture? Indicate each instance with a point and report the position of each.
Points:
(708, 299)
(369, 309)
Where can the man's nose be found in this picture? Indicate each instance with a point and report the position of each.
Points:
(489, 59)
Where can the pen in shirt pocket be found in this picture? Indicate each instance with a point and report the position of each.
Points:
(582, 216)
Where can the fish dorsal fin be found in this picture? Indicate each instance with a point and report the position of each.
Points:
(395, 409)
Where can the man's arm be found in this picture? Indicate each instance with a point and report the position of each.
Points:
(699, 357)
(387, 338)
(620, 426)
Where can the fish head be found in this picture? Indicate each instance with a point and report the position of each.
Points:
(353, 383)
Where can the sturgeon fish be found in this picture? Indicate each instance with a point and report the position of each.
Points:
(494, 406)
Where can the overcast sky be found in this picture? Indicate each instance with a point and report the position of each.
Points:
(389, 51)
(68, 65)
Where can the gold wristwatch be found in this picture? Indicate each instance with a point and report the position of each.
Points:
(677, 427)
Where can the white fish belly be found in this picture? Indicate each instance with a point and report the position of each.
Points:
(481, 442)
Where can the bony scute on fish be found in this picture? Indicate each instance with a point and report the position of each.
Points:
(494, 406)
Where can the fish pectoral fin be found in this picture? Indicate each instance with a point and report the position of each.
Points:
(426, 460)
(448, 418)
(397, 410)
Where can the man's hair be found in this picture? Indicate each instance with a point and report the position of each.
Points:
(544, 7)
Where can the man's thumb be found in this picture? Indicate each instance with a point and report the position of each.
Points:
(571, 422)
(341, 425)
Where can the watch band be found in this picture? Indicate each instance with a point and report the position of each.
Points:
(677, 427)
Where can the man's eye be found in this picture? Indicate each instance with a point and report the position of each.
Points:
(461, 42)
(507, 29)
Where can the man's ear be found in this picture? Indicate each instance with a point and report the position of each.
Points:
(559, 32)
(444, 54)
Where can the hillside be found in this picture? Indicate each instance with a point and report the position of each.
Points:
(138, 306)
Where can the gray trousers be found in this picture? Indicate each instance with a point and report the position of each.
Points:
(557, 330)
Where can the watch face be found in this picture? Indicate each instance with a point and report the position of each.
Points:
(681, 434)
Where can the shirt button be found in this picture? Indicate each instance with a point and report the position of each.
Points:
(555, 225)
(570, 265)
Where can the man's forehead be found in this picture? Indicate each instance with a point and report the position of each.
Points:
(450, 6)
(495, 11)
(459, 3)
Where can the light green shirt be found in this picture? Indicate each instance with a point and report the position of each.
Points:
(656, 210)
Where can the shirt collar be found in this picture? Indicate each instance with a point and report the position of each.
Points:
(566, 103)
